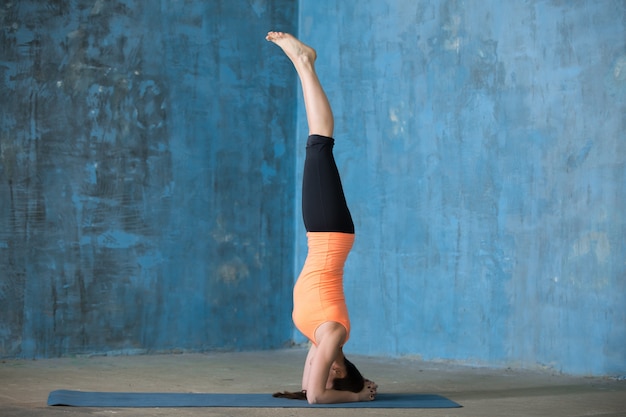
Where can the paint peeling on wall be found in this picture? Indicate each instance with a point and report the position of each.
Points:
(135, 211)
(481, 147)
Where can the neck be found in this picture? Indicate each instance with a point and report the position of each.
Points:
(340, 357)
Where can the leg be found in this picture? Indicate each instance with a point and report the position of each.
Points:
(324, 205)
(318, 112)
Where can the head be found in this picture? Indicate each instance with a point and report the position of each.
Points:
(344, 376)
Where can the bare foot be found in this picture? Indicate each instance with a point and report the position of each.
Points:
(296, 51)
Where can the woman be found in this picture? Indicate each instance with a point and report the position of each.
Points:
(320, 311)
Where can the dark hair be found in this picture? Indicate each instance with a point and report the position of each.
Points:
(353, 381)
(301, 395)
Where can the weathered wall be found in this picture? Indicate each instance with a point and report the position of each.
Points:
(483, 155)
(146, 182)
(147, 195)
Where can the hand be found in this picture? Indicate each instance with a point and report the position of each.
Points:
(368, 393)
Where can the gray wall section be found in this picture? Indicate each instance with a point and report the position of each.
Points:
(146, 177)
(483, 154)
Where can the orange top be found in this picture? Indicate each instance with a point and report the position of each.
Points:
(318, 294)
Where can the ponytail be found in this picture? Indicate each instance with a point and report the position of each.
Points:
(291, 395)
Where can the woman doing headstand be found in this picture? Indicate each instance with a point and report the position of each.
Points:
(320, 311)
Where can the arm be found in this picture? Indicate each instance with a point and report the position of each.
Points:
(319, 369)
(319, 362)
(307, 367)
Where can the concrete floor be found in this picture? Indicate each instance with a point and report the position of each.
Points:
(25, 384)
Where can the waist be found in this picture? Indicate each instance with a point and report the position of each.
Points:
(329, 248)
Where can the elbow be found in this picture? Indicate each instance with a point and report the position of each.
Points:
(311, 399)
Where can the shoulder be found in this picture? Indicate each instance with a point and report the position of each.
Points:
(330, 333)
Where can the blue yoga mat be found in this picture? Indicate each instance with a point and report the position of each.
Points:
(153, 400)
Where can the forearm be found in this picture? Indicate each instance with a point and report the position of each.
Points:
(331, 396)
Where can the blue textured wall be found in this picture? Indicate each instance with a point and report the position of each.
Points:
(146, 176)
(148, 196)
(483, 153)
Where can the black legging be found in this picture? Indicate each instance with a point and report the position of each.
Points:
(324, 207)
